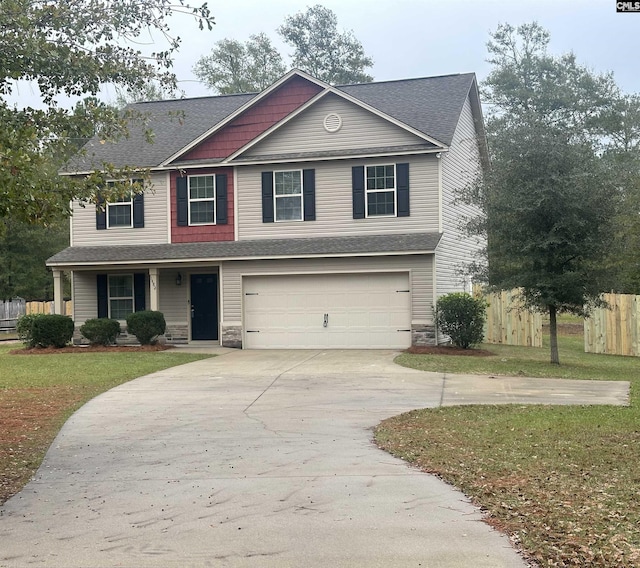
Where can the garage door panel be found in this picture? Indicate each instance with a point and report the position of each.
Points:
(364, 311)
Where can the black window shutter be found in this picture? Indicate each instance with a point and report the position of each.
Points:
(221, 199)
(357, 182)
(138, 211)
(267, 197)
(139, 291)
(309, 194)
(103, 298)
(101, 214)
(182, 205)
(402, 187)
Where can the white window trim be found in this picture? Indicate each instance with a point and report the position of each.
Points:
(276, 197)
(202, 199)
(115, 203)
(120, 204)
(368, 191)
(132, 297)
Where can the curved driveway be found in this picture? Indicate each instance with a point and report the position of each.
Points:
(260, 458)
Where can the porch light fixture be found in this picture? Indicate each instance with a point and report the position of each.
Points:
(179, 279)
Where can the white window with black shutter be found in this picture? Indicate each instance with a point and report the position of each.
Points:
(288, 195)
(201, 200)
(126, 211)
(120, 295)
(380, 191)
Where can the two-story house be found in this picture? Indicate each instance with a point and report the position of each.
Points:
(304, 216)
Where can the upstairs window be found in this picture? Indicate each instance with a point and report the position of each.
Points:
(381, 190)
(120, 213)
(287, 195)
(123, 212)
(202, 200)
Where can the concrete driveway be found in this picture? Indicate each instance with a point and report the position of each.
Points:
(265, 459)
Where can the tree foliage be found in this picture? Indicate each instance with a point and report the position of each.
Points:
(550, 198)
(320, 49)
(236, 67)
(24, 248)
(71, 49)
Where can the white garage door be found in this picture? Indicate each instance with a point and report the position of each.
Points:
(337, 311)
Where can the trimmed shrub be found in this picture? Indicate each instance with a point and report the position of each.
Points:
(461, 317)
(101, 331)
(24, 327)
(50, 330)
(146, 326)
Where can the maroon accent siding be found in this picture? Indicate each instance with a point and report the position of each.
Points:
(204, 233)
(255, 120)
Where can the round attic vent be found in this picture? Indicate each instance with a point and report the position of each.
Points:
(332, 122)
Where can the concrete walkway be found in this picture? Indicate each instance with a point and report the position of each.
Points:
(261, 459)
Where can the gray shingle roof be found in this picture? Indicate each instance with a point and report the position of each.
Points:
(272, 248)
(431, 105)
(174, 124)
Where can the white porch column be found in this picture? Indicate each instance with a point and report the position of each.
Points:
(154, 289)
(58, 298)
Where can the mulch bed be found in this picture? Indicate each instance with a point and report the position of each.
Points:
(449, 350)
(89, 349)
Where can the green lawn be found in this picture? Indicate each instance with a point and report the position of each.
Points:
(563, 481)
(39, 392)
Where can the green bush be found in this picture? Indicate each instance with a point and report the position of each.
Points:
(24, 327)
(461, 317)
(46, 330)
(146, 326)
(101, 331)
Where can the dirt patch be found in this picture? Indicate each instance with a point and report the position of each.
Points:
(89, 349)
(30, 419)
(448, 350)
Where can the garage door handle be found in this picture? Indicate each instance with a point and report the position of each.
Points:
(253, 331)
(326, 320)
(403, 330)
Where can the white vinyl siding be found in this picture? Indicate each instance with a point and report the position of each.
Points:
(360, 129)
(83, 221)
(334, 203)
(419, 267)
(85, 297)
(173, 298)
(459, 166)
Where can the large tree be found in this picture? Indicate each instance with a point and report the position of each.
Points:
(71, 49)
(24, 248)
(236, 67)
(549, 198)
(320, 49)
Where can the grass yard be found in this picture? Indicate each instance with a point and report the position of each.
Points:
(39, 392)
(562, 481)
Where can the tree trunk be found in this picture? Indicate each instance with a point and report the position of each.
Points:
(553, 336)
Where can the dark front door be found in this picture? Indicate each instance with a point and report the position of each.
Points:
(204, 306)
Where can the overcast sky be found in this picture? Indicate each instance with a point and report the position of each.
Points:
(420, 38)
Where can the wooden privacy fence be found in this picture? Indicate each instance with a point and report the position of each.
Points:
(509, 323)
(614, 330)
(46, 308)
(11, 310)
